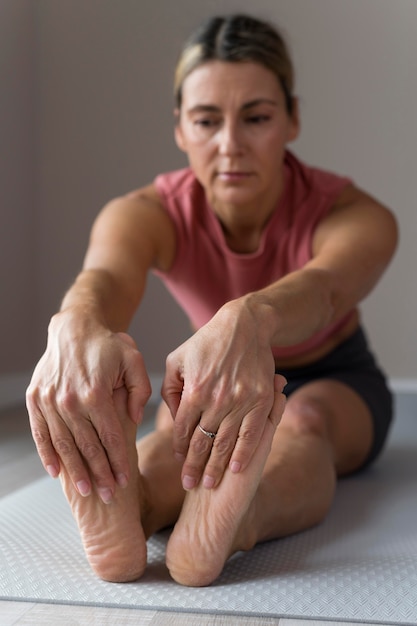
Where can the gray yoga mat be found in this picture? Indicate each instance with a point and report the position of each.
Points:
(359, 565)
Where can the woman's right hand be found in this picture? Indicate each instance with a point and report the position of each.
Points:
(70, 402)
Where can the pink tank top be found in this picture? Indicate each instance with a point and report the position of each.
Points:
(206, 273)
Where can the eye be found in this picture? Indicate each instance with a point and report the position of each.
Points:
(258, 119)
(205, 122)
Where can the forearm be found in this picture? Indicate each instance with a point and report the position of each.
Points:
(294, 308)
(98, 296)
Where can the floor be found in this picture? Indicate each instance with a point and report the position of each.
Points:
(19, 465)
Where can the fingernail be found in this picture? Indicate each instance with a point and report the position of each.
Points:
(235, 467)
(188, 482)
(180, 457)
(121, 480)
(106, 495)
(52, 471)
(208, 482)
(83, 487)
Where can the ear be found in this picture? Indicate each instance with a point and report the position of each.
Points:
(294, 123)
(178, 134)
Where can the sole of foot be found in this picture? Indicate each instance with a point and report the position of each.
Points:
(216, 523)
(112, 534)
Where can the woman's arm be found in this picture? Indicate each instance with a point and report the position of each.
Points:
(88, 354)
(223, 376)
(352, 247)
(130, 235)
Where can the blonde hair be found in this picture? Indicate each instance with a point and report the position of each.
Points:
(237, 38)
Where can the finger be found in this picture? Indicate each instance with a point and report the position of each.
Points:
(241, 423)
(68, 454)
(185, 405)
(280, 401)
(136, 381)
(41, 437)
(222, 449)
(279, 383)
(172, 388)
(85, 432)
(54, 441)
(102, 444)
(128, 432)
(172, 399)
(249, 435)
(186, 417)
(198, 454)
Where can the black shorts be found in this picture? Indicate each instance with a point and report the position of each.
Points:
(352, 363)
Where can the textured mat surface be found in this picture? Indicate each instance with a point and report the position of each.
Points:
(359, 565)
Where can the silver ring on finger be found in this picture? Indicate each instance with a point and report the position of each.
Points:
(207, 433)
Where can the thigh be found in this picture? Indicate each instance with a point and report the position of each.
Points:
(333, 410)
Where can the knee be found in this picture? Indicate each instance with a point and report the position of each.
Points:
(306, 415)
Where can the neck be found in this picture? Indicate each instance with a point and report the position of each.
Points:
(243, 224)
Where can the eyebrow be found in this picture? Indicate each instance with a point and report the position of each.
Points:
(211, 108)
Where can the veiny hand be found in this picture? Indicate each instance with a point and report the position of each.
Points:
(70, 403)
(222, 378)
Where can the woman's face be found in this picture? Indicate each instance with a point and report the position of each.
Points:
(234, 127)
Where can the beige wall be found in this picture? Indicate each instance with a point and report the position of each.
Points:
(99, 90)
(17, 186)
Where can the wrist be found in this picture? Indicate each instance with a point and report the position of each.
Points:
(78, 319)
(255, 308)
(264, 314)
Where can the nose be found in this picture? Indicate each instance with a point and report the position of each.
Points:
(230, 140)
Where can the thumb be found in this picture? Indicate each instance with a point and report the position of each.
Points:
(279, 400)
(136, 380)
(172, 388)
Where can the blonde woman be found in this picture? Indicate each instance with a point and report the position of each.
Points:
(269, 257)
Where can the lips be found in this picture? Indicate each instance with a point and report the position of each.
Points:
(233, 175)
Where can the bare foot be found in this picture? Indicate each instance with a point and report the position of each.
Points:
(216, 523)
(112, 534)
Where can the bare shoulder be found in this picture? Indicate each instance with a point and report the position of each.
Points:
(144, 201)
(147, 194)
(357, 203)
(139, 220)
(363, 216)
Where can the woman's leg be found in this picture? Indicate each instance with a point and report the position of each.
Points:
(161, 475)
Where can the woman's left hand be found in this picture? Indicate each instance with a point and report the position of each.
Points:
(223, 380)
